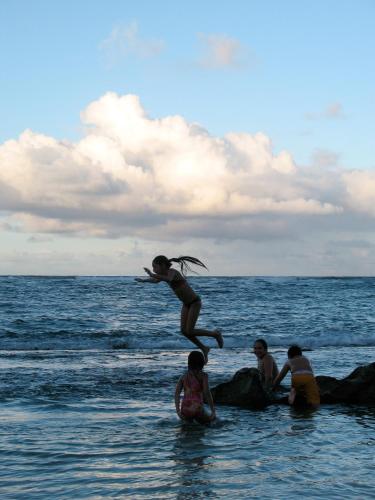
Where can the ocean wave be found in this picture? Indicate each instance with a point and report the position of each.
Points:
(53, 313)
(122, 339)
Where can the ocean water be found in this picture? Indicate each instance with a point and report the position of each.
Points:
(88, 367)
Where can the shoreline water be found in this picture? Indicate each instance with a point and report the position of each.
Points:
(86, 420)
(89, 425)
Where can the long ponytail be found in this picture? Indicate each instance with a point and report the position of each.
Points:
(184, 262)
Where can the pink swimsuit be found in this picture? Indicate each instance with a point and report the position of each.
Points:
(192, 404)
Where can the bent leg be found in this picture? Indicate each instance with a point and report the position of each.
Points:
(192, 316)
(292, 396)
(189, 334)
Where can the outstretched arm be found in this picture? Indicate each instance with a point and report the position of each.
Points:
(170, 276)
(147, 280)
(208, 396)
(281, 375)
(177, 394)
(153, 278)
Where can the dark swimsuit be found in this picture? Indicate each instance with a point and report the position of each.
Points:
(175, 284)
(197, 299)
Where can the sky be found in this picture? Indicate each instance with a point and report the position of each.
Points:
(238, 132)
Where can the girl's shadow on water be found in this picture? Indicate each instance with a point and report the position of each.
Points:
(302, 413)
(193, 461)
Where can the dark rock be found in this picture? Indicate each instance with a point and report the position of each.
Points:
(357, 388)
(245, 389)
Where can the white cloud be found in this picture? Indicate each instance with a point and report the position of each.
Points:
(124, 40)
(167, 179)
(325, 158)
(333, 111)
(360, 186)
(222, 51)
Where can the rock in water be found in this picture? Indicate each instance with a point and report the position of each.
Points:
(244, 389)
(357, 388)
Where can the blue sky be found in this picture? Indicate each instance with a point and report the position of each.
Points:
(301, 73)
(304, 57)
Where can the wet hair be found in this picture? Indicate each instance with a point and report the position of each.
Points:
(294, 350)
(183, 261)
(196, 360)
(263, 342)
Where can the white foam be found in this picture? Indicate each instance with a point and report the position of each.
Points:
(171, 342)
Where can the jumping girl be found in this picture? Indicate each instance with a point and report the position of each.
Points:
(191, 302)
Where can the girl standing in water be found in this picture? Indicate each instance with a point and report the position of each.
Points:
(196, 388)
(191, 302)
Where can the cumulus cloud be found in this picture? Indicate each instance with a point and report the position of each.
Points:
(166, 178)
(125, 40)
(325, 158)
(222, 51)
(360, 186)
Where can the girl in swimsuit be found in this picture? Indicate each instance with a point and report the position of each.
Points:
(303, 380)
(266, 364)
(195, 385)
(191, 302)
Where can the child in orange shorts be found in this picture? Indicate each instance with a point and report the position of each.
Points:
(303, 380)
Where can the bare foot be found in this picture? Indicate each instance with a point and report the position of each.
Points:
(292, 396)
(205, 351)
(219, 339)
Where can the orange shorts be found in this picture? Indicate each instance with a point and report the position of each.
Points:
(306, 385)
